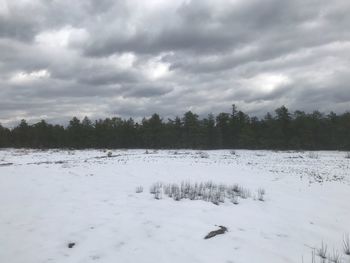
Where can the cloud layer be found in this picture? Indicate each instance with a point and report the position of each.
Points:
(62, 58)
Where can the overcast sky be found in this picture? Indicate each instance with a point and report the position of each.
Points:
(102, 58)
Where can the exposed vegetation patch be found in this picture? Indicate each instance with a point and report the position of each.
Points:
(205, 191)
(334, 256)
(6, 164)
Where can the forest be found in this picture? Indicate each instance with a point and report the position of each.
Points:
(282, 130)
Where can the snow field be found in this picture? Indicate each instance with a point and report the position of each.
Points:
(51, 198)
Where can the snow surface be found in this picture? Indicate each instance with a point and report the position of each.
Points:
(49, 199)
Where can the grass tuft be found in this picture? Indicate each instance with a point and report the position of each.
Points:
(139, 189)
(261, 193)
(335, 257)
(322, 251)
(346, 244)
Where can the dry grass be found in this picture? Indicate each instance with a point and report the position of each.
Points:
(206, 191)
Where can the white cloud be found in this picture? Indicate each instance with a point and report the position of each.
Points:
(62, 38)
(24, 77)
(155, 69)
(122, 61)
(266, 82)
(4, 10)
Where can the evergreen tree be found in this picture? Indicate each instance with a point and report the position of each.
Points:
(283, 119)
(191, 130)
(299, 130)
(4, 137)
(224, 130)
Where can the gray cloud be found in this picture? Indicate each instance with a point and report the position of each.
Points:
(102, 58)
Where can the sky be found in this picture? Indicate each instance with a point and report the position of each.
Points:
(64, 58)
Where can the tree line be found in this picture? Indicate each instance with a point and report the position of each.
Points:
(281, 130)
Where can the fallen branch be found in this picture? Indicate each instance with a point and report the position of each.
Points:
(220, 231)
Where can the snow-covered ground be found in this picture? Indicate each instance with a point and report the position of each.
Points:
(49, 199)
